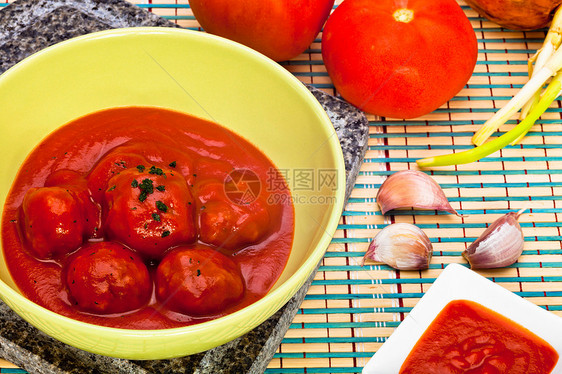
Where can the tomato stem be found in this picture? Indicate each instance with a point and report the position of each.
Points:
(403, 15)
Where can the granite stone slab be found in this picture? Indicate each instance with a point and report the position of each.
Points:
(27, 26)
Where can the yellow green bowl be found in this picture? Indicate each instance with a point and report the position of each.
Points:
(205, 76)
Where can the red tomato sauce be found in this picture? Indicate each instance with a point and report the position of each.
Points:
(146, 218)
(467, 337)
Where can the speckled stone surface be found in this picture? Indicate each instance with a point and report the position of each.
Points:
(27, 26)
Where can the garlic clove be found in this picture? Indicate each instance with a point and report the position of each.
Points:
(401, 245)
(412, 189)
(500, 244)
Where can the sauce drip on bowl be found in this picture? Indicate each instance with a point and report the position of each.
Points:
(110, 209)
(467, 337)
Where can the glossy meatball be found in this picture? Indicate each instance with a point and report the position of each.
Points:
(226, 224)
(77, 185)
(132, 154)
(150, 210)
(52, 222)
(106, 277)
(113, 163)
(198, 281)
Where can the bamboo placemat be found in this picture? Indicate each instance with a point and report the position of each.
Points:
(350, 310)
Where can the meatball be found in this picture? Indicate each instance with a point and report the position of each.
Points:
(149, 210)
(77, 185)
(53, 223)
(106, 277)
(108, 166)
(208, 168)
(198, 280)
(132, 154)
(226, 224)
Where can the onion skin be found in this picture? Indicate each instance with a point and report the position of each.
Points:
(517, 14)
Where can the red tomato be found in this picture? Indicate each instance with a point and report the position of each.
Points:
(149, 210)
(399, 59)
(280, 30)
(198, 280)
(106, 277)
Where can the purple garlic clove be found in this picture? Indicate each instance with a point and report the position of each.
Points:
(500, 244)
(402, 246)
(412, 189)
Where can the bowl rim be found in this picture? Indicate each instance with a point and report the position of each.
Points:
(307, 267)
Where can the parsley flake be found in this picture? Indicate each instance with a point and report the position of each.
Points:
(166, 233)
(161, 206)
(147, 186)
(142, 196)
(155, 170)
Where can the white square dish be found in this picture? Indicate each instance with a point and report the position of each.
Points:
(457, 282)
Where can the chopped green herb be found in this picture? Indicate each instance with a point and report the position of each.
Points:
(155, 170)
(147, 186)
(166, 233)
(161, 206)
(141, 168)
(112, 188)
(172, 164)
(135, 183)
(161, 188)
(142, 197)
(198, 272)
(156, 217)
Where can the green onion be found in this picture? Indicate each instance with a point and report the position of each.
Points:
(548, 62)
(476, 153)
